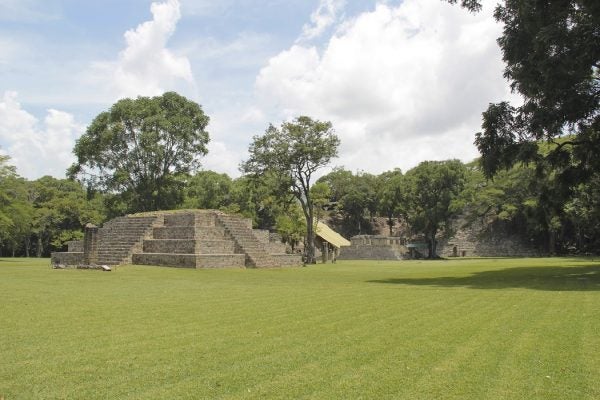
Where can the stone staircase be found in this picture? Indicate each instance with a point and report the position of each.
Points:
(209, 239)
(246, 242)
(189, 240)
(119, 238)
(186, 239)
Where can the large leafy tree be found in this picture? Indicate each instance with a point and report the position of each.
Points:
(15, 210)
(519, 201)
(209, 190)
(390, 196)
(61, 208)
(140, 149)
(354, 198)
(552, 53)
(293, 153)
(432, 198)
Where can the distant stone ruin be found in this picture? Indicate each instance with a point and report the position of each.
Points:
(471, 239)
(186, 239)
(374, 247)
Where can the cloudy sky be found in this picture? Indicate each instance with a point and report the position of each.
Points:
(401, 81)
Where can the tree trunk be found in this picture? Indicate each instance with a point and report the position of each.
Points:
(309, 245)
(390, 224)
(552, 242)
(310, 242)
(39, 247)
(27, 245)
(432, 245)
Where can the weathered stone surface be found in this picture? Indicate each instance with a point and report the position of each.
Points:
(67, 258)
(374, 247)
(190, 239)
(471, 240)
(75, 246)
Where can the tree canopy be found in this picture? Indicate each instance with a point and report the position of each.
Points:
(293, 153)
(139, 149)
(552, 55)
(433, 188)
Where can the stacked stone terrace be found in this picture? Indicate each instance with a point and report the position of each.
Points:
(120, 237)
(374, 247)
(186, 239)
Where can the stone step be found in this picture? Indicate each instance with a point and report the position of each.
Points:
(189, 246)
(190, 260)
(187, 232)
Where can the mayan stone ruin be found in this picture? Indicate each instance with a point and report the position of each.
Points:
(186, 239)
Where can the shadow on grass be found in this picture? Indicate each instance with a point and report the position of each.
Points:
(580, 278)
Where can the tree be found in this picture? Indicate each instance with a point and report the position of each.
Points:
(433, 188)
(552, 55)
(61, 208)
(140, 149)
(354, 197)
(293, 153)
(208, 190)
(320, 193)
(291, 226)
(260, 198)
(15, 210)
(359, 202)
(390, 195)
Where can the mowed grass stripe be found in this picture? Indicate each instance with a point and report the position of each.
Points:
(590, 343)
(351, 330)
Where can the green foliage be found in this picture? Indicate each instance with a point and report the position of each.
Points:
(292, 154)
(552, 55)
(465, 329)
(60, 211)
(208, 190)
(320, 193)
(291, 226)
(261, 198)
(355, 197)
(391, 196)
(141, 150)
(432, 198)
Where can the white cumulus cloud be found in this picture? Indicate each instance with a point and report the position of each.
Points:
(401, 84)
(324, 16)
(37, 148)
(146, 67)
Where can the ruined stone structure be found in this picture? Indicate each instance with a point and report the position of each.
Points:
(470, 239)
(374, 247)
(188, 239)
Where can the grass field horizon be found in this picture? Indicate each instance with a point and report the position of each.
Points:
(453, 329)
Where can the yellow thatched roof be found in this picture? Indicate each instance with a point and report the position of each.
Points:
(331, 236)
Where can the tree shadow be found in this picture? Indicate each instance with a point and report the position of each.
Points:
(579, 278)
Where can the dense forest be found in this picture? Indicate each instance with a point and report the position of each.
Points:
(40, 216)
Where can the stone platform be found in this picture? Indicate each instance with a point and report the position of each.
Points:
(185, 239)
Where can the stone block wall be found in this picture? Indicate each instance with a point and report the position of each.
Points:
(71, 259)
(470, 239)
(75, 246)
(374, 247)
(185, 239)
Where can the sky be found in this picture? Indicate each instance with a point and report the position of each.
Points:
(401, 81)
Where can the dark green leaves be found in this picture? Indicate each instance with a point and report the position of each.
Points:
(141, 147)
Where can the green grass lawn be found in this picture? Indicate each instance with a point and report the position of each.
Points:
(460, 329)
